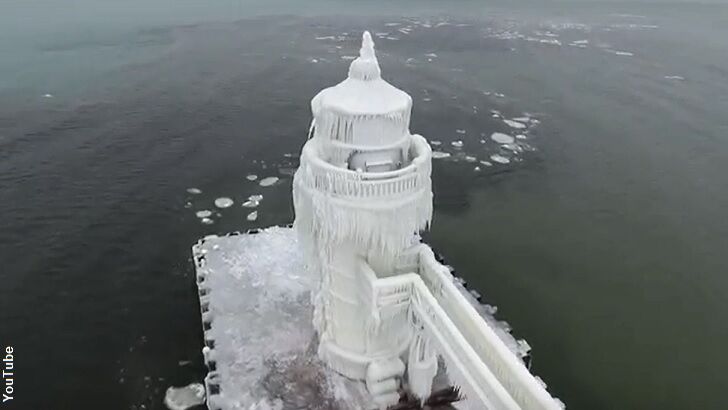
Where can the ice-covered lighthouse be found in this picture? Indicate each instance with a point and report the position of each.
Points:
(385, 320)
(361, 194)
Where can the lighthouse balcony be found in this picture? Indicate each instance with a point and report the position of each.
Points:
(362, 187)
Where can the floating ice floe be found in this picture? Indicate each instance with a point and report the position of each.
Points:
(476, 169)
(514, 124)
(470, 158)
(251, 204)
(256, 197)
(251, 177)
(623, 53)
(501, 138)
(47, 95)
(500, 159)
(348, 57)
(674, 77)
(580, 42)
(440, 154)
(207, 221)
(183, 398)
(486, 163)
(521, 137)
(427, 99)
(223, 202)
(431, 55)
(313, 60)
(326, 38)
(435, 143)
(203, 214)
(194, 191)
(252, 216)
(522, 119)
(268, 181)
(460, 131)
(457, 144)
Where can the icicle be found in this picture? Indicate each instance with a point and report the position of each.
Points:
(421, 366)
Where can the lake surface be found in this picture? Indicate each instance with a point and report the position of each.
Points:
(602, 240)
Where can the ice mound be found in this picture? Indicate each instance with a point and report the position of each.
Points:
(182, 398)
(223, 202)
(501, 138)
(268, 181)
(194, 191)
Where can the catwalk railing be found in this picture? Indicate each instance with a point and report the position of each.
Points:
(477, 360)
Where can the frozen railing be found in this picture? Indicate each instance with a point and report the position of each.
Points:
(464, 367)
(343, 183)
(510, 371)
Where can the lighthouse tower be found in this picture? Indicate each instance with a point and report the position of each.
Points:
(361, 195)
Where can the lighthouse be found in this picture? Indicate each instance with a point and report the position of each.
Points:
(361, 195)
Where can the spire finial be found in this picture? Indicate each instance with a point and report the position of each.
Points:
(367, 47)
(366, 66)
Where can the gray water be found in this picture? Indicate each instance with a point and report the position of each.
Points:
(603, 244)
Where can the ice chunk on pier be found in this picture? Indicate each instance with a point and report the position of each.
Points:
(183, 398)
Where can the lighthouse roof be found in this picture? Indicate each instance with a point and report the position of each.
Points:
(364, 92)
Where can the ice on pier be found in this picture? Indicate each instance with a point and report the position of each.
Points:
(501, 138)
(183, 398)
(251, 177)
(252, 216)
(203, 214)
(500, 159)
(255, 297)
(268, 181)
(223, 202)
(440, 154)
(194, 191)
(514, 124)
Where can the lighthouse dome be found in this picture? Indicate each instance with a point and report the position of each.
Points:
(363, 110)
